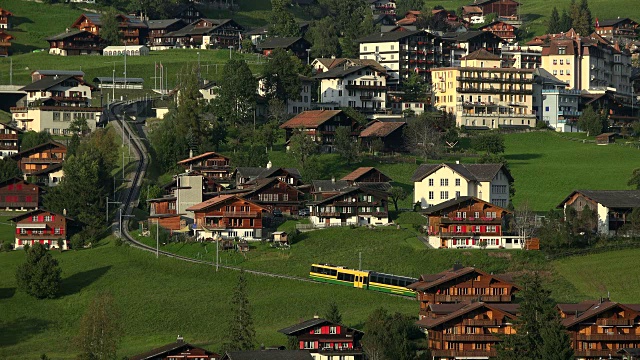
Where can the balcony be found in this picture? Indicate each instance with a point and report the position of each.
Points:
(494, 91)
(469, 337)
(614, 322)
(240, 214)
(482, 322)
(569, 113)
(9, 137)
(326, 214)
(480, 220)
(29, 204)
(486, 298)
(465, 353)
(380, 214)
(366, 98)
(595, 353)
(495, 80)
(365, 87)
(41, 161)
(5, 43)
(499, 115)
(609, 337)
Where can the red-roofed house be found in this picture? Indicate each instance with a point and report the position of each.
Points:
(409, 18)
(5, 43)
(501, 29)
(390, 133)
(5, 19)
(228, 216)
(320, 125)
(366, 175)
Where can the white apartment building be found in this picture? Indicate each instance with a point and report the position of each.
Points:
(483, 95)
(53, 102)
(403, 52)
(521, 57)
(361, 87)
(437, 183)
(294, 106)
(554, 104)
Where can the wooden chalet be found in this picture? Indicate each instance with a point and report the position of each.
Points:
(213, 166)
(320, 125)
(178, 350)
(390, 133)
(354, 205)
(49, 176)
(365, 175)
(273, 193)
(9, 139)
(468, 222)
(246, 175)
(17, 194)
(503, 30)
(297, 45)
(504, 9)
(187, 13)
(5, 43)
(212, 33)
(409, 18)
(461, 284)
(327, 339)
(41, 226)
(159, 28)
(599, 329)
(42, 74)
(40, 157)
(322, 189)
(623, 29)
(5, 19)
(133, 30)
(611, 208)
(467, 330)
(76, 42)
(229, 217)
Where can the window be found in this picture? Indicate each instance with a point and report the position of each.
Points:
(444, 195)
(47, 218)
(333, 330)
(309, 344)
(458, 195)
(457, 182)
(317, 330)
(57, 231)
(34, 219)
(431, 196)
(555, 72)
(561, 72)
(444, 182)
(430, 182)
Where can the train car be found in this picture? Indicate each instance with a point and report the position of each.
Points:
(362, 279)
(391, 283)
(339, 275)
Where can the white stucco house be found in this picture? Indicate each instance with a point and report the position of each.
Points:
(611, 207)
(437, 183)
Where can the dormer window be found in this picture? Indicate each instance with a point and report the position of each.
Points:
(562, 50)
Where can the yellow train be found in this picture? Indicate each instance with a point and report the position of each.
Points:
(362, 279)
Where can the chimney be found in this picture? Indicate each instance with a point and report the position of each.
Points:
(64, 212)
(262, 347)
(315, 316)
(180, 339)
(333, 179)
(67, 30)
(269, 165)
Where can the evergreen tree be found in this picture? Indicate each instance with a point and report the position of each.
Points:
(346, 145)
(553, 26)
(635, 179)
(100, 332)
(282, 75)
(9, 169)
(591, 122)
(565, 21)
(556, 344)
(585, 18)
(302, 147)
(109, 31)
(325, 38)
(39, 275)
(390, 336)
(32, 139)
(241, 331)
(333, 313)
(283, 24)
(236, 99)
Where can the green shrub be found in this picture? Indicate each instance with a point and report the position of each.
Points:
(6, 246)
(77, 242)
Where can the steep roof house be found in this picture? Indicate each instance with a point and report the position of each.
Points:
(273, 193)
(390, 133)
(612, 208)
(5, 19)
(320, 125)
(133, 30)
(178, 350)
(297, 45)
(353, 205)
(76, 42)
(325, 339)
(365, 175)
(437, 183)
(41, 226)
(5, 43)
(228, 216)
(17, 194)
(40, 157)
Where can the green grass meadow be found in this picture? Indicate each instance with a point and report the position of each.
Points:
(159, 299)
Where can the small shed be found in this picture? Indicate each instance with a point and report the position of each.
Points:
(130, 50)
(606, 138)
(281, 237)
(243, 246)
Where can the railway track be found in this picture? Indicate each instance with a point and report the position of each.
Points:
(132, 196)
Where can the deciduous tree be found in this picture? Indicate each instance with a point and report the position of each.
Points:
(396, 194)
(346, 145)
(301, 147)
(282, 75)
(591, 122)
(39, 275)
(423, 137)
(236, 99)
(9, 169)
(489, 143)
(282, 22)
(109, 31)
(100, 330)
(325, 37)
(32, 139)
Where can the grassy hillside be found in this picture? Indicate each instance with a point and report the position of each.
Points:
(211, 61)
(159, 299)
(614, 272)
(537, 12)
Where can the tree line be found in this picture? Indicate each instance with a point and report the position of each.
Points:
(577, 16)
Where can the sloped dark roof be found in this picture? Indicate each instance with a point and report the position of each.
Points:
(161, 24)
(262, 173)
(36, 211)
(47, 83)
(482, 54)
(610, 198)
(428, 281)
(163, 350)
(303, 325)
(471, 172)
(592, 309)
(268, 355)
(310, 119)
(340, 72)
(349, 190)
(429, 323)
(279, 42)
(542, 76)
(328, 185)
(66, 34)
(389, 36)
(37, 147)
(48, 170)
(382, 128)
(357, 173)
(201, 156)
(611, 22)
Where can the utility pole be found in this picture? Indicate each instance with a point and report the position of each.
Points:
(360, 260)
(157, 237)
(10, 71)
(217, 253)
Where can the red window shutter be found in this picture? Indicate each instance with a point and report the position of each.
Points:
(53, 218)
(29, 232)
(301, 345)
(17, 231)
(40, 218)
(10, 187)
(19, 242)
(19, 186)
(483, 229)
(464, 229)
(42, 242)
(498, 229)
(28, 198)
(338, 329)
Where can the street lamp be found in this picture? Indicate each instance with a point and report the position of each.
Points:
(308, 57)
(230, 48)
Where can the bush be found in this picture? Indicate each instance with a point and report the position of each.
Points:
(39, 275)
(118, 242)
(6, 246)
(77, 242)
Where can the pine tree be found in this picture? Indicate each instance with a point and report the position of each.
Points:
(282, 22)
(99, 333)
(553, 26)
(333, 313)
(241, 330)
(574, 13)
(565, 21)
(237, 93)
(586, 18)
(109, 30)
(556, 344)
(39, 275)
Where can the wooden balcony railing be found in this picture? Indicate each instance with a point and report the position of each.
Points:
(481, 322)
(9, 137)
(614, 322)
(240, 214)
(608, 337)
(464, 353)
(469, 337)
(18, 204)
(486, 298)
(595, 353)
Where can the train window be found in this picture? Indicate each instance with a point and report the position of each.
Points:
(333, 272)
(394, 282)
(373, 278)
